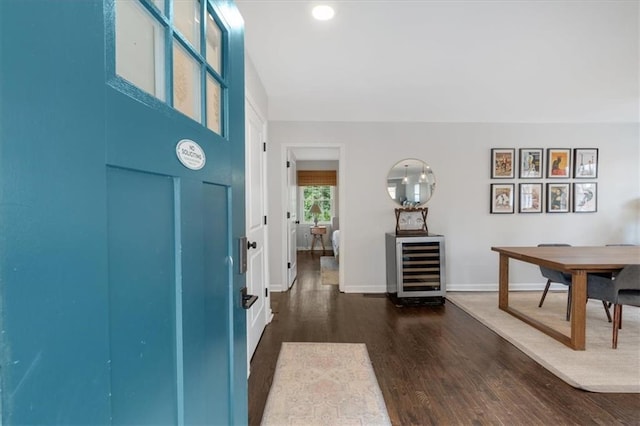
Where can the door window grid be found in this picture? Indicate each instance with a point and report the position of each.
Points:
(323, 195)
(181, 67)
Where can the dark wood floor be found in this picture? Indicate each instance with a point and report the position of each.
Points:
(435, 365)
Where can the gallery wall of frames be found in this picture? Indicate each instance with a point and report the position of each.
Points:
(552, 180)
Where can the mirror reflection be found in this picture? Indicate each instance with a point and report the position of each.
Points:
(411, 182)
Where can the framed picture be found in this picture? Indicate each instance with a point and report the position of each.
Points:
(558, 198)
(585, 163)
(558, 163)
(502, 163)
(530, 163)
(502, 197)
(530, 198)
(585, 197)
(412, 221)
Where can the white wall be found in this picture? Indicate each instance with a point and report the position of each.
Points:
(459, 154)
(254, 90)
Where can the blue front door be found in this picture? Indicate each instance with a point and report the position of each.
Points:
(121, 185)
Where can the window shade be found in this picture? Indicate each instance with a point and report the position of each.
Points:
(317, 177)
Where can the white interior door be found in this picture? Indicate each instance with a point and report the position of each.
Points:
(292, 219)
(255, 157)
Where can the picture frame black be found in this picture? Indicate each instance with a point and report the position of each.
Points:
(585, 197)
(585, 163)
(531, 163)
(502, 199)
(558, 199)
(530, 198)
(503, 163)
(559, 163)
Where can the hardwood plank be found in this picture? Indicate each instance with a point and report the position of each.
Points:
(436, 365)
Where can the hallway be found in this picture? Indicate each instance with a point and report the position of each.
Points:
(435, 364)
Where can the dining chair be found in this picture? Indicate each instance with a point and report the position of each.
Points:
(555, 276)
(607, 305)
(624, 289)
(613, 275)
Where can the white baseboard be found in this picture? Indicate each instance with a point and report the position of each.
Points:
(460, 287)
(277, 288)
(364, 289)
(494, 287)
(450, 287)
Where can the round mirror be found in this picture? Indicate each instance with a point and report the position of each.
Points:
(411, 182)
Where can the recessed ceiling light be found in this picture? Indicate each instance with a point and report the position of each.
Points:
(323, 12)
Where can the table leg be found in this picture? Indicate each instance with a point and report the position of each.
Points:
(578, 309)
(503, 282)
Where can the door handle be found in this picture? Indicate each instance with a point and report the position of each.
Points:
(251, 245)
(247, 299)
(297, 222)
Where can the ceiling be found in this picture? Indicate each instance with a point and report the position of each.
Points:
(447, 61)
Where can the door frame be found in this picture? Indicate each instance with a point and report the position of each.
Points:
(268, 313)
(285, 148)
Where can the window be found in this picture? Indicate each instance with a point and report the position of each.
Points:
(316, 187)
(159, 49)
(323, 195)
(416, 193)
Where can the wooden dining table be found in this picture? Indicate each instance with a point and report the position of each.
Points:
(578, 261)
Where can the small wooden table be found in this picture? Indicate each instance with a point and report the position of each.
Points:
(317, 232)
(578, 261)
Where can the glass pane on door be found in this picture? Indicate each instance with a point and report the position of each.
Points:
(186, 18)
(159, 4)
(140, 48)
(214, 105)
(186, 83)
(214, 44)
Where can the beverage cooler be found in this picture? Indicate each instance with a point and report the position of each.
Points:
(415, 266)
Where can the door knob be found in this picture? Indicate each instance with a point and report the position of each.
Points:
(247, 299)
(252, 245)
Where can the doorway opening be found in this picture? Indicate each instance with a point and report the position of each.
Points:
(315, 227)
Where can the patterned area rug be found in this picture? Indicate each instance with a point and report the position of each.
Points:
(324, 384)
(599, 368)
(329, 270)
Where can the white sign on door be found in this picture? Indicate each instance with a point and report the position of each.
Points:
(190, 154)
